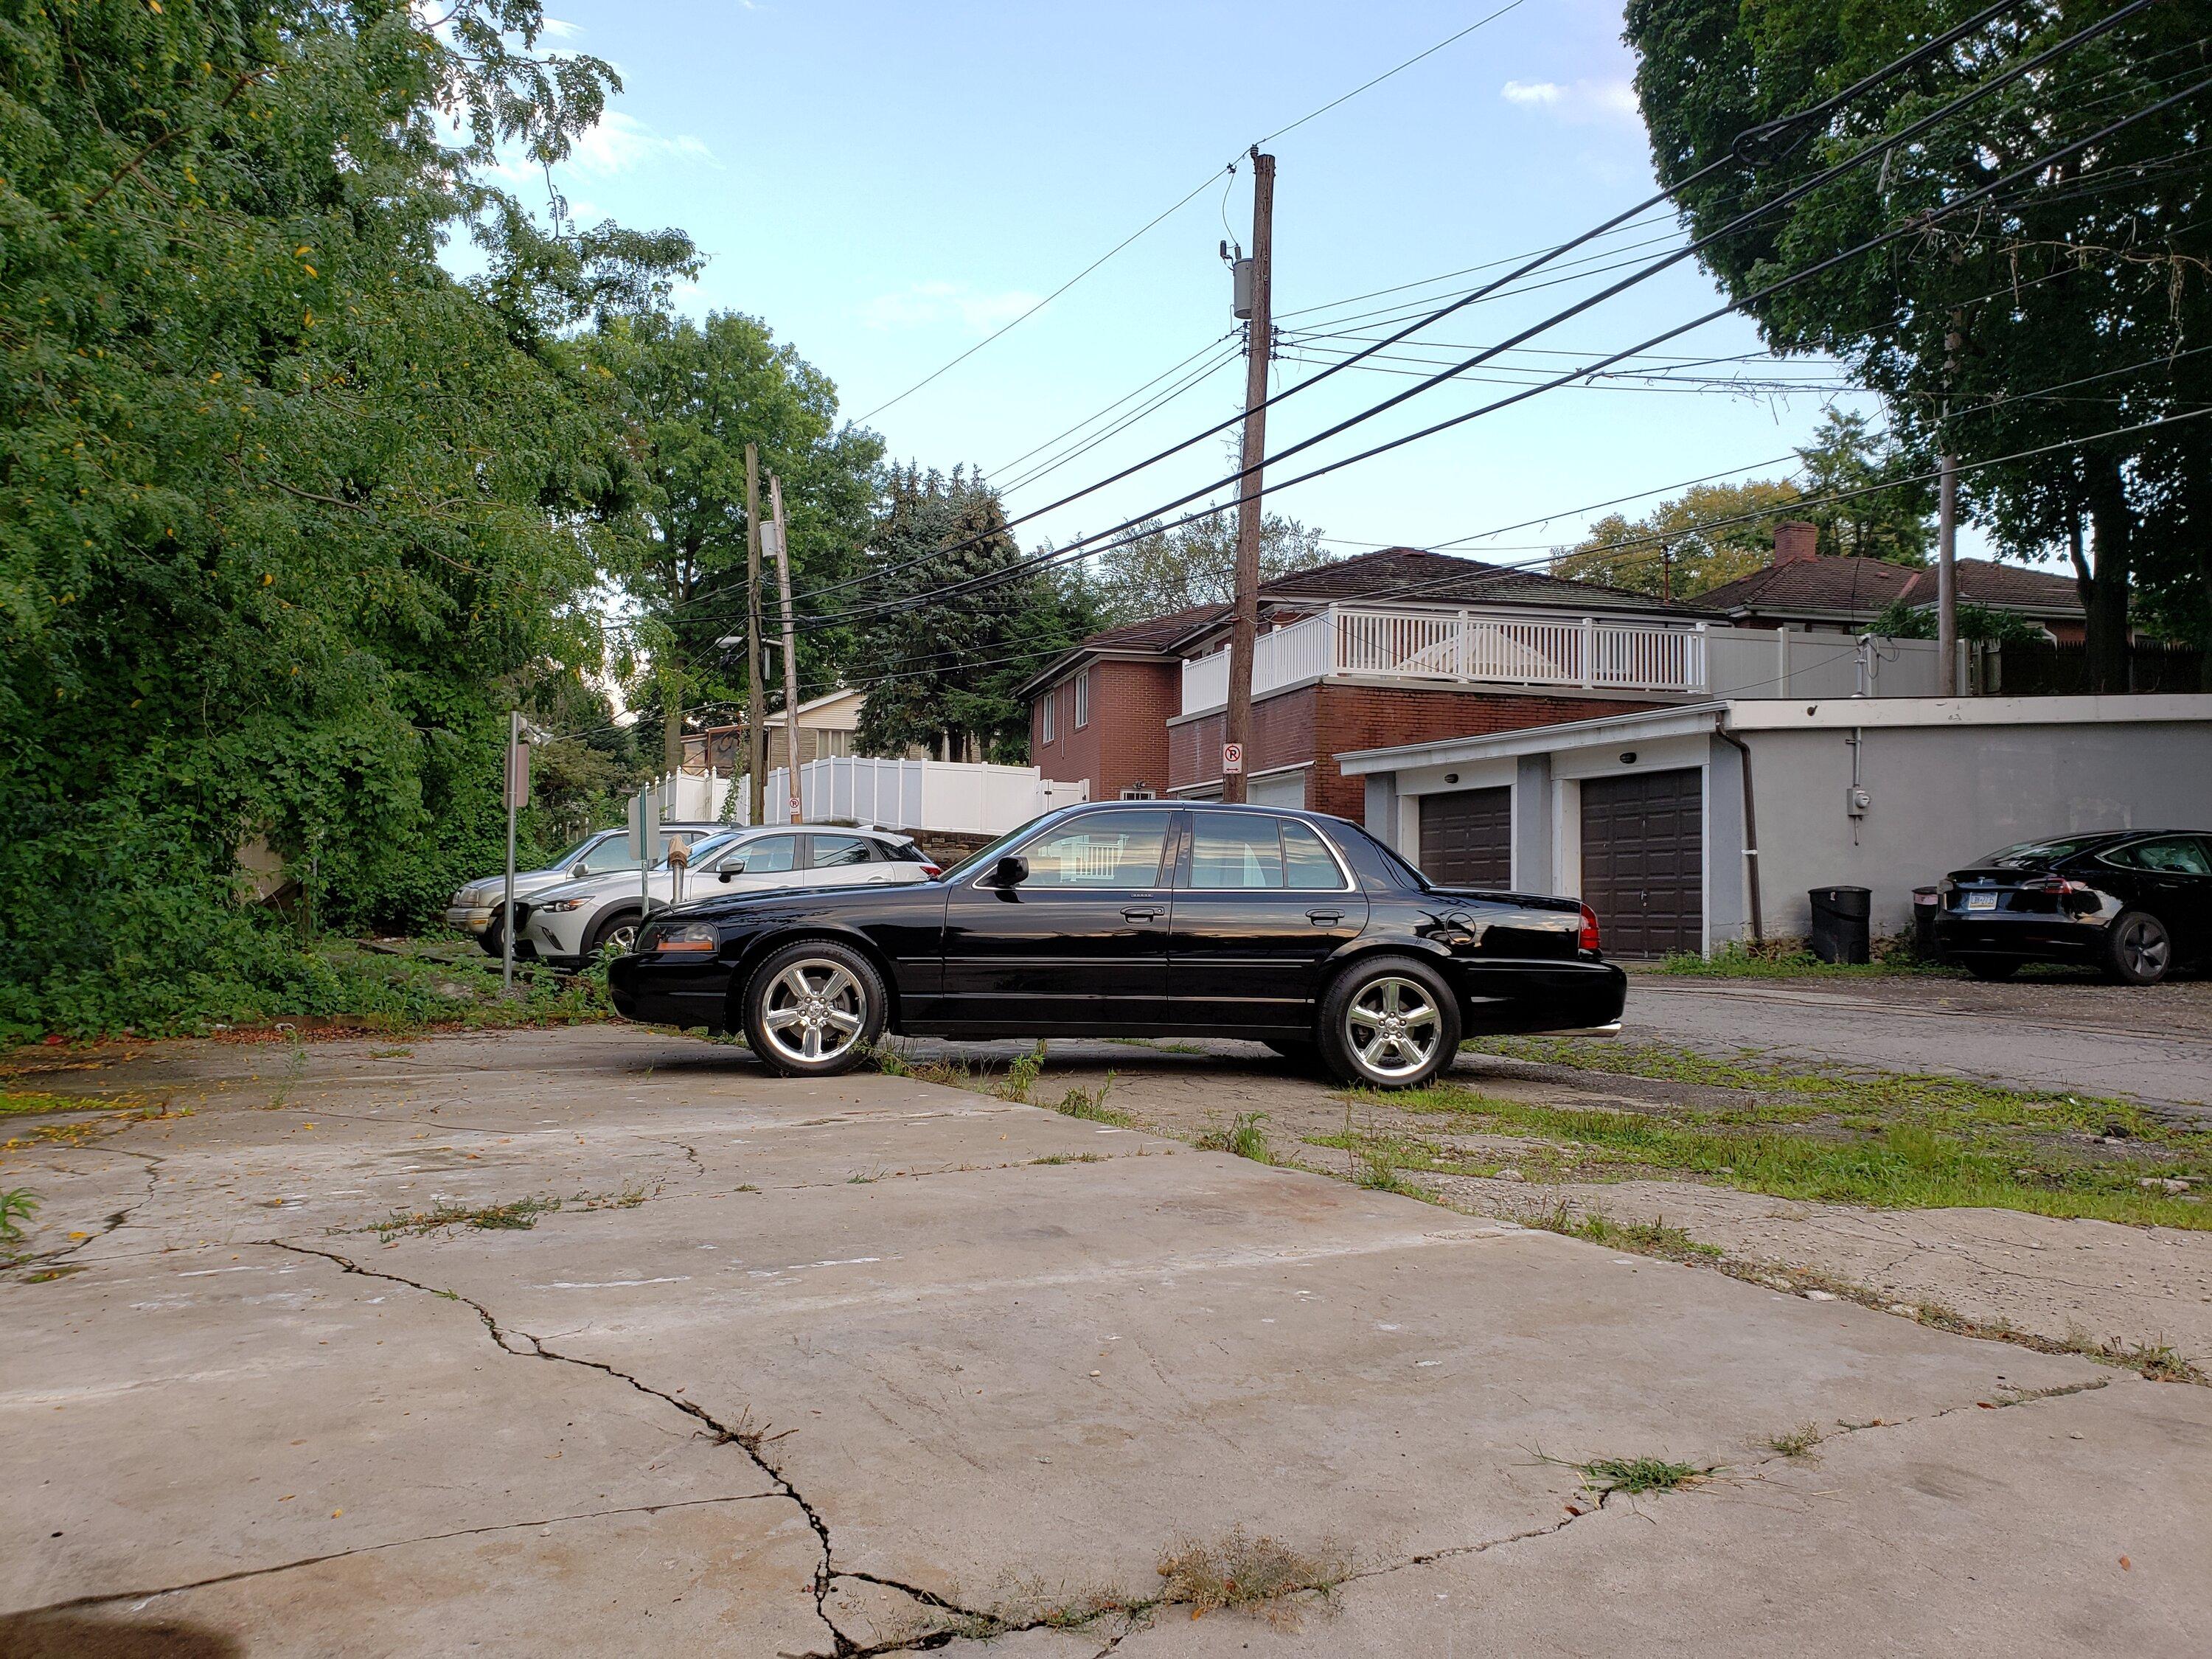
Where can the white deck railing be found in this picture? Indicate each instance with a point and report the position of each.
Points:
(1459, 647)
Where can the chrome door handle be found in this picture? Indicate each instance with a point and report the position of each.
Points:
(1141, 916)
(1324, 918)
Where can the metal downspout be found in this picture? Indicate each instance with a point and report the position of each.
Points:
(1750, 828)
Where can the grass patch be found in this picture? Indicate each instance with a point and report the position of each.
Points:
(31, 1103)
(1635, 1476)
(1377, 1164)
(1788, 958)
(1797, 1443)
(1072, 1157)
(1241, 1135)
(17, 1206)
(518, 1215)
(1654, 1238)
(1249, 1574)
(1090, 1105)
(1884, 1143)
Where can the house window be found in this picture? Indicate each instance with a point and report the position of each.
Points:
(1083, 700)
(1044, 715)
(1139, 792)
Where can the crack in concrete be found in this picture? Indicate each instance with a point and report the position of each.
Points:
(748, 1440)
(113, 1221)
(109, 1597)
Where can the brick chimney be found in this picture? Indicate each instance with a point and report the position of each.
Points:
(1795, 539)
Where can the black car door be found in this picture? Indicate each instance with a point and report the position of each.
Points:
(1260, 903)
(1079, 945)
(2173, 880)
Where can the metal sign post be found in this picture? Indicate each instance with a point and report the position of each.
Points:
(516, 790)
(644, 830)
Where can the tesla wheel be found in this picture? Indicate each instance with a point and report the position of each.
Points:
(1992, 967)
(1389, 1023)
(619, 930)
(814, 1009)
(2138, 950)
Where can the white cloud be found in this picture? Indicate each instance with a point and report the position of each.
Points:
(554, 29)
(620, 144)
(1581, 101)
(926, 304)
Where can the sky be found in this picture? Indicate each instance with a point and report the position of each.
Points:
(886, 184)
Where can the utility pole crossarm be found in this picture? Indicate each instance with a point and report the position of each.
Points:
(1259, 343)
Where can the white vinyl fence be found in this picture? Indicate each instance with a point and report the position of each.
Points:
(960, 796)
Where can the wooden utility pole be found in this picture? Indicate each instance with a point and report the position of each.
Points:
(1947, 533)
(1259, 342)
(755, 685)
(790, 652)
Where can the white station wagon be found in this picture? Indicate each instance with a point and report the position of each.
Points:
(570, 924)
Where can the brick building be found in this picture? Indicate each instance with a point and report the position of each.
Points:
(1394, 646)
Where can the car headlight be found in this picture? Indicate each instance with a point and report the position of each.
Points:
(692, 938)
(560, 907)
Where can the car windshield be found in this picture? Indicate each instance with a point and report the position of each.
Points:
(562, 860)
(2029, 853)
(989, 852)
(698, 849)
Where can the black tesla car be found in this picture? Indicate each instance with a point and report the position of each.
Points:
(1120, 918)
(2135, 902)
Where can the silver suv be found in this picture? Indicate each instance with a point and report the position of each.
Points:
(475, 908)
(570, 924)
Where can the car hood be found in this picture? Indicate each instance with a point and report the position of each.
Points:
(493, 888)
(614, 881)
(816, 900)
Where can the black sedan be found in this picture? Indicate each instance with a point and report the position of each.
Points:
(1122, 919)
(2135, 902)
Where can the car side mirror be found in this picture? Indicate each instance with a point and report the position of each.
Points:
(1011, 870)
(578, 872)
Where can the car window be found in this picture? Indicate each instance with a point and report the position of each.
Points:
(2181, 855)
(1306, 862)
(830, 851)
(1235, 849)
(2029, 853)
(613, 854)
(905, 852)
(561, 861)
(1103, 850)
(767, 855)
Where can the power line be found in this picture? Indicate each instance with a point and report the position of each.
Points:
(1510, 5)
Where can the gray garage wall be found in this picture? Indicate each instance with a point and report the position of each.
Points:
(1943, 795)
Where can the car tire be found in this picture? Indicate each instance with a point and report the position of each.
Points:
(1992, 966)
(2138, 948)
(814, 1008)
(618, 929)
(1389, 1023)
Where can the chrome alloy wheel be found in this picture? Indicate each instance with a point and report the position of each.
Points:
(1392, 1025)
(622, 940)
(2144, 948)
(814, 1011)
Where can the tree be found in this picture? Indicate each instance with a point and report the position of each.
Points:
(1890, 523)
(1671, 551)
(943, 665)
(1903, 620)
(1193, 564)
(693, 395)
(284, 508)
(2046, 318)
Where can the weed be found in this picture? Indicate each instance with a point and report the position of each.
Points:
(1373, 1168)
(748, 1187)
(1788, 958)
(1635, 1476)
(1091, 1104)
(1072, 1157)
(1796, 1443)
(891, 1063)
(1022, 1075)
(1242, 1135)
(389, 1054)
(17, 1206)
(1654, 1238)
(518, 1216)
(1239, 1571)
(30, 1104)
(2154, 1363)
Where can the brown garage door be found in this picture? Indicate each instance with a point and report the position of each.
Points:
(1466, 838)
(1643, 862)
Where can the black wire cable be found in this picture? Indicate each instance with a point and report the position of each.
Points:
(1769, 133)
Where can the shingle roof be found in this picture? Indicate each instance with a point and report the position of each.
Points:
(1154, 633)
(1414, 576)
(1861, 587)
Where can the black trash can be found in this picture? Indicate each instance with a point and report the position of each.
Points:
(1839, 924)
(1927, 904)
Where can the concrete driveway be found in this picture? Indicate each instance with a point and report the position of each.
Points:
(874, 1365)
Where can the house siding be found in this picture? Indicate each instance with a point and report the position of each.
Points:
(1315, 723)
(1124, 745)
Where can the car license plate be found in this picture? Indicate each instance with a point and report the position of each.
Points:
(1981, 900)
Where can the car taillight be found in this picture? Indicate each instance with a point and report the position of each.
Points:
(2057, 886)
(1588, 939)
(932, 871)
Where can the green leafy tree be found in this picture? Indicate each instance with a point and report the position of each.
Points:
(1709, 535)
(1193, 564)
(284, 508)
(943, 666)
(693, 396)
(1902, 620)
(2053, 315)
(1874, 522)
